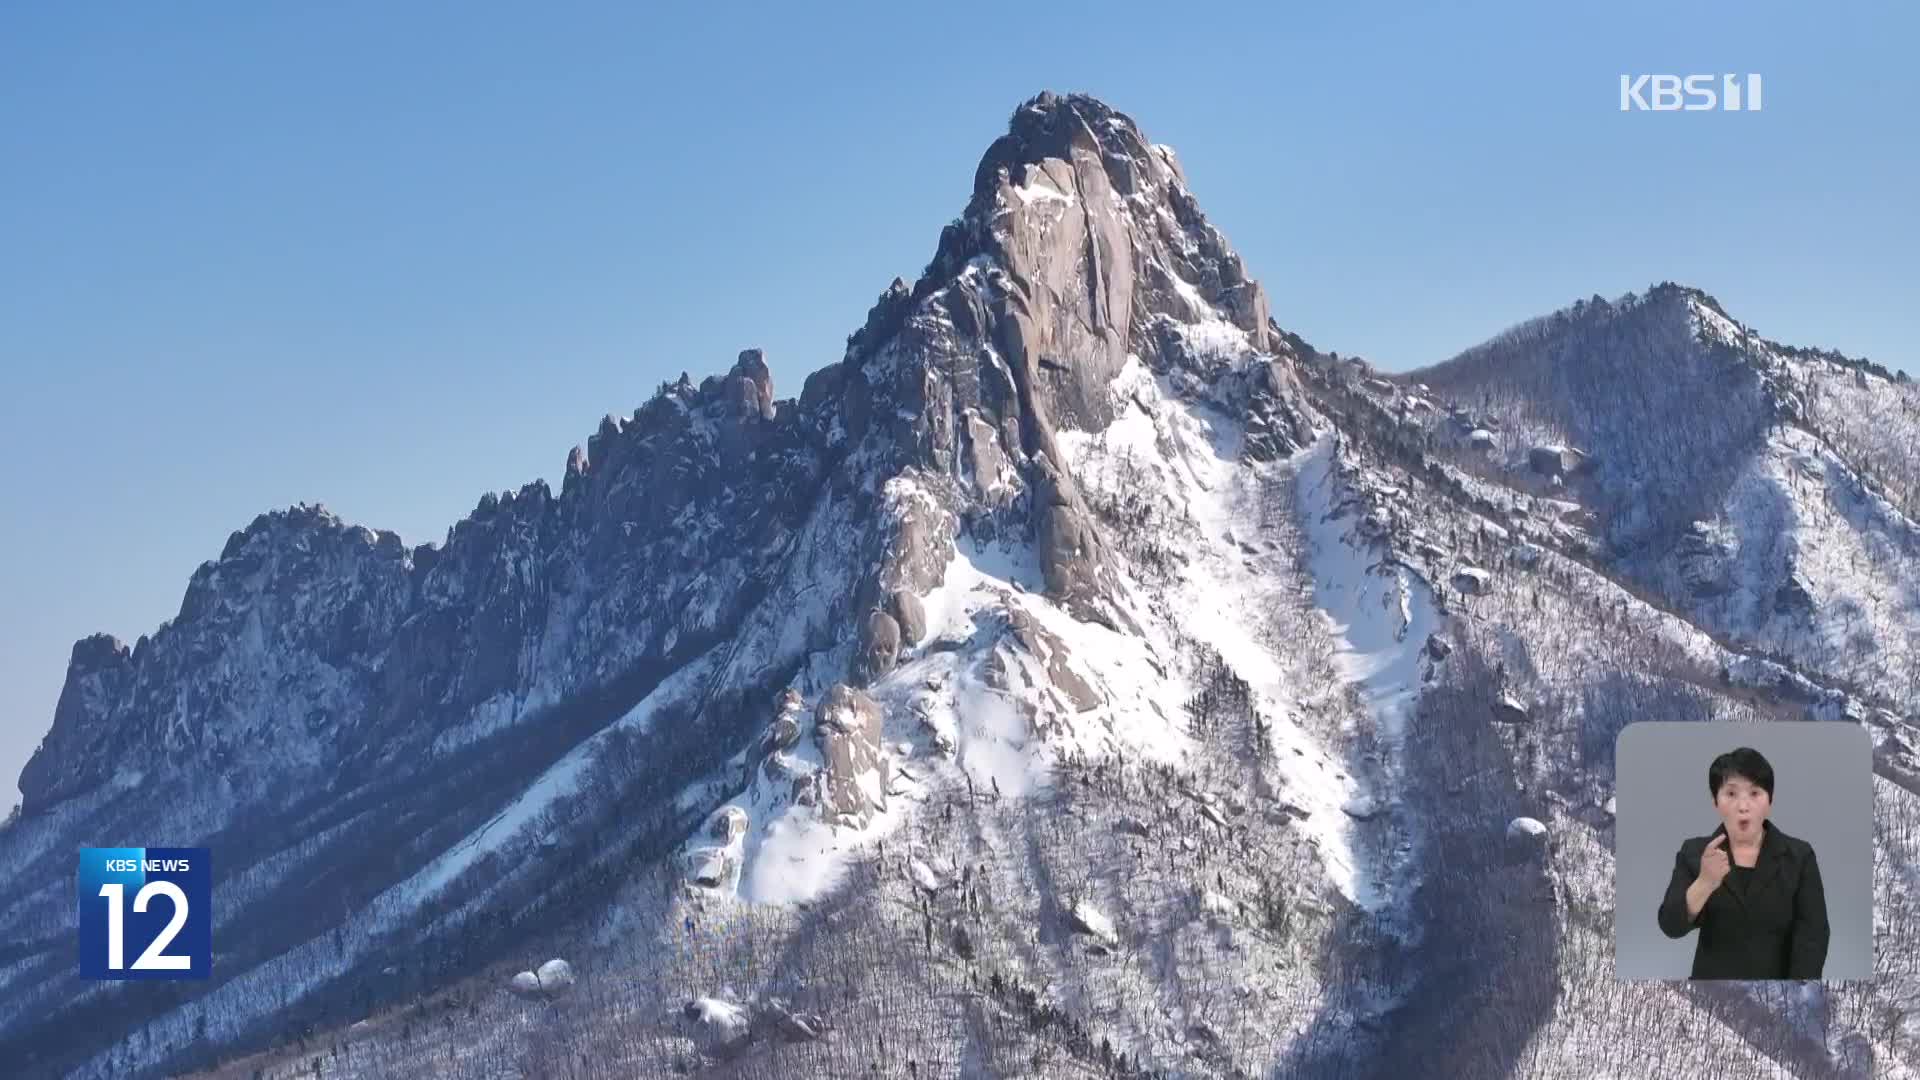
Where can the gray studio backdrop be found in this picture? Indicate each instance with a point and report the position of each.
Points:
(1822, 793)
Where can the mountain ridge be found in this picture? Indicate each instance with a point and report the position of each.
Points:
(1073, 521)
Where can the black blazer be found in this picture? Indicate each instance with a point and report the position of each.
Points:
(1775, 927)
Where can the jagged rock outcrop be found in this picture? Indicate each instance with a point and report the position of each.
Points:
(879, 646)
(1705, 560)
(852, 784)
(1071, 556)
(909, 615)
(1080, 247)
(311, 643)
(782, 734)
(99, 675)
(1052, 664)
(751, 383)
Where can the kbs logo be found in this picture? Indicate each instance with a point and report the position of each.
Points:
(145, 913)
(1689, 93)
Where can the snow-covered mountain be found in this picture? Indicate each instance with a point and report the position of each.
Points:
(1770, 493)
(1083, 676)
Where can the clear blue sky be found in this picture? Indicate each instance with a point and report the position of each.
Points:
(391, 256)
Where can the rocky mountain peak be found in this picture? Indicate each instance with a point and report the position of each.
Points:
(1071, 164)
(1081, 251)
(750, 383)
(97, 651)
(1052, 126)
(302, 517)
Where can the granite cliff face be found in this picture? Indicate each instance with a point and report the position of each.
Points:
(1148, 673)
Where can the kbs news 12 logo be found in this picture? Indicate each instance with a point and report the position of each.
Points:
(145, 913)
(1689, 93)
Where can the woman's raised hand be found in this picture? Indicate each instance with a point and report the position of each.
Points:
(1714, 861)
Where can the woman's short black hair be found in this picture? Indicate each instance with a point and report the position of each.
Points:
(1745, 762)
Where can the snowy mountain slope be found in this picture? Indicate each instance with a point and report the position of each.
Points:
(1083, 676)
(1582, 648)
(1584, 655)
(1707, 474)
(1868, 416)
(1224, 906)
(1565, 774)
